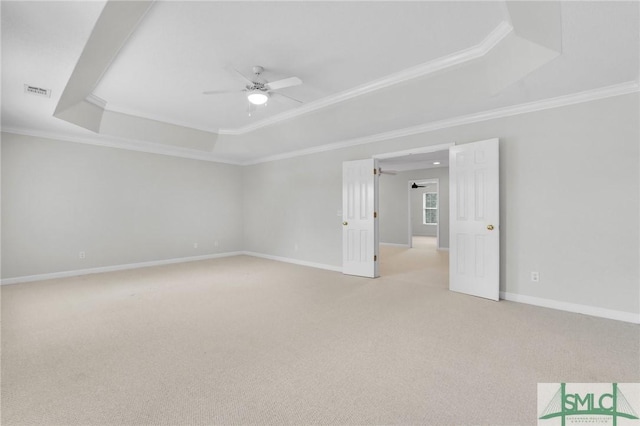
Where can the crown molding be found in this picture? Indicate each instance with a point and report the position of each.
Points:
(560, 101)
(152, 148)
(139, 114)
(122, 143)
(97, 101)
(500, 32)
(475, 52)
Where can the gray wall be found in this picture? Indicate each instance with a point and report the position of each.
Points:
(394, 206)
(59, 198)
(119, 207)
(554, 164)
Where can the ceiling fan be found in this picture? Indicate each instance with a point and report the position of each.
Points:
(258, 89)
(415, 185)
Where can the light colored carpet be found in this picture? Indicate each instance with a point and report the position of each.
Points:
(245, 340)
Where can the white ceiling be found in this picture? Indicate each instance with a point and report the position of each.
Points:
(368, 68)
(183, 48)
(41, 43)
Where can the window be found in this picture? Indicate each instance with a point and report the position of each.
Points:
(430, 204)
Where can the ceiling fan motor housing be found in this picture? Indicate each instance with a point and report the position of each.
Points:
(257, 86)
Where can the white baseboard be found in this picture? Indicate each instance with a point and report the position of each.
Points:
(64, 274)
(294, 261)
(530, 300)
(573, 307)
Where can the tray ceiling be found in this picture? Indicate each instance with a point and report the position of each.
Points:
(131, 74)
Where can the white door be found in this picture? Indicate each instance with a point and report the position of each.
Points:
(359, 218)
(474, 253)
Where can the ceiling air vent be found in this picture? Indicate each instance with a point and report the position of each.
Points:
(39, 91)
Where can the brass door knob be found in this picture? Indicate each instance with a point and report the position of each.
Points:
(345, 223)
(490, 227)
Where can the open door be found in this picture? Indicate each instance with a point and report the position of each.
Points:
(359, 218)
(474, 254)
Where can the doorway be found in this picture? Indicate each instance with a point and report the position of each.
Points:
(413, 207)
(474, 266)
(404, 210)
(423, 209)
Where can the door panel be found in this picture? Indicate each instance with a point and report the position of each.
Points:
(474, 219)
(360, 227)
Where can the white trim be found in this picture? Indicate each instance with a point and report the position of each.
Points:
(122, 143)
(155, 117)
(149, 147)
(329, 147)
(414, 151)
(294, 261)
(349, 143)
(557, 102)
(530, 300)
(573, 307)
(101, 269)
(497, 34)
(500, 32)
(97, 101)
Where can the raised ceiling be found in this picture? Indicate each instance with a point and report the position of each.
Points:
(131, 74)
(183, 48)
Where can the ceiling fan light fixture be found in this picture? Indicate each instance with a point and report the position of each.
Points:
(258, 97)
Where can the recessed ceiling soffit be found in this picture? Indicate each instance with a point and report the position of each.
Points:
(513, 50)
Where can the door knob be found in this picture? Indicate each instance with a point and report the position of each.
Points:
(345, 223)
(490, 227)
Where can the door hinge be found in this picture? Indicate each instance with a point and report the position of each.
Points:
(375, 215)
(375, 171)
(375, 257)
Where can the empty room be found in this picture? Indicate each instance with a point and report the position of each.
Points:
(308, 212)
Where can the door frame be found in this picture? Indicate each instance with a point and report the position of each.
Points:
(448, 147)
(422, 150)
(404, 153)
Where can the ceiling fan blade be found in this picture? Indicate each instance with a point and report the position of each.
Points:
(220, 92)
(286, 82)
(245, 78)
(286, 96)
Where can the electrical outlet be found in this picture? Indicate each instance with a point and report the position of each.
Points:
(535, 276)
(195, 245)
(215, 243)
(295, 247)
(81, 255)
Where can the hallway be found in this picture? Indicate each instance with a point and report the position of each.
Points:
(421, 264)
